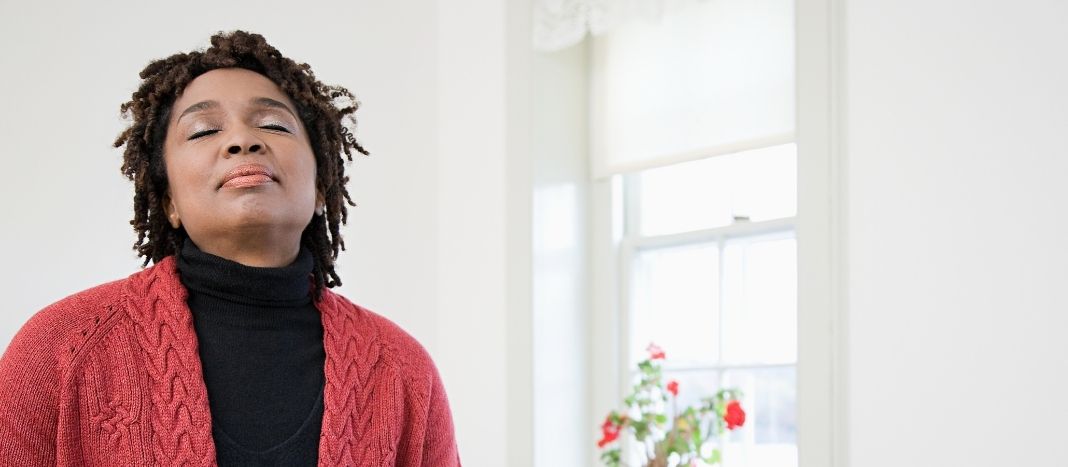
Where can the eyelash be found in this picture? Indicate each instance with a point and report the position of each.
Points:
(276, 127)
(203, 133)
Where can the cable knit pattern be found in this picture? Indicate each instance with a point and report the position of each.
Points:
(111, 376)
(181, 419)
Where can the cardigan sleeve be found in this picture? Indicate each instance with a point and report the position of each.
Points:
(29, 391)
(429, 437)
(440, 443)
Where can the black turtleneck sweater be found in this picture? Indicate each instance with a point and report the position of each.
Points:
(261, 348)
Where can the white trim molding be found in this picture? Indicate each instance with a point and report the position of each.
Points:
(823, 351)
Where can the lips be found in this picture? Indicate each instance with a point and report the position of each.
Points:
(248, 175)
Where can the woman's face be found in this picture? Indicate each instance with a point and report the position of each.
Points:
(231, 123)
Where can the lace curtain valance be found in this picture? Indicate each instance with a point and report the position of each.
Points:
(560, 24)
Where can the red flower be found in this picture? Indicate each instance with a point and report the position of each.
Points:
(673, 387)
(735, 416)
(609, 431)
(655, 352)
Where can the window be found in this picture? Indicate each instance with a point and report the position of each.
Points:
(708, 257)
(692, 121)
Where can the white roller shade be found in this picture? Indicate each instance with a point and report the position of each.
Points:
(711, 77)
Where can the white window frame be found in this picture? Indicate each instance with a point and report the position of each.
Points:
(822, 247)
(822, 194)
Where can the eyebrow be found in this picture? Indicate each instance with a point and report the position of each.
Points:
(268, 102)
(257, 101)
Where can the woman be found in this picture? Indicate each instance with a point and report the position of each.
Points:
(230, 349)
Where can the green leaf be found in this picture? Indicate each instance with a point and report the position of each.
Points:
(714, 458)
(611, 457)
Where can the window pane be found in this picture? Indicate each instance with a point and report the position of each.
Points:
(693, 385)
(759, 184)
(769, 436)
(760, 300)
(675, 303)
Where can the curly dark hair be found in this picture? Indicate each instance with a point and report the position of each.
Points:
(326, 111)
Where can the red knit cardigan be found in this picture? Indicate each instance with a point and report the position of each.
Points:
(111, 376)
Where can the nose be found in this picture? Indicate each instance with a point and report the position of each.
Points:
(244, 142)
(236, 149)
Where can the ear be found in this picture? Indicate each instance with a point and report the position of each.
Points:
(171, 210)
(320, 202)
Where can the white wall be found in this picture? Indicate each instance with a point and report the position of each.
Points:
(471, 219)
(956, 114)
(441, 239)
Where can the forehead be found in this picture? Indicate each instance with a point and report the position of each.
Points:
(229, 86)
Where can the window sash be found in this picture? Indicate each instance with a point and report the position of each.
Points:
(631, 246)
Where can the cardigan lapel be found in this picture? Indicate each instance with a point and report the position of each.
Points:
(180, 414)
(180, 417)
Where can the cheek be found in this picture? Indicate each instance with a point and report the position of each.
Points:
(185, 176)
(304, 167)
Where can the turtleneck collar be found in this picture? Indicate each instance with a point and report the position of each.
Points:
(262, 286)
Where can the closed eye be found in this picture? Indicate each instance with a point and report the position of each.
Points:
(276, 128)
(202, 133)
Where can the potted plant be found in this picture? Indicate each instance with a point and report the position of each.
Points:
(692, 436)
